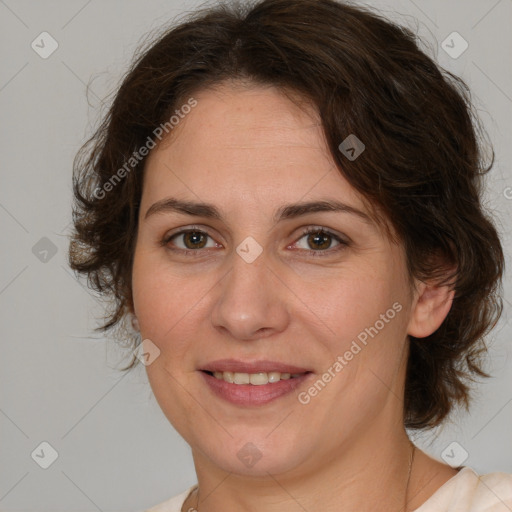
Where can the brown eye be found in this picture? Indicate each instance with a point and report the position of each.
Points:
(194, 239)
(319, 242)
(188, 240)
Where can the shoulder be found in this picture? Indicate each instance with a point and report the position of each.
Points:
(173, 504)
(468, 491)
(494, 491)
(465, 492)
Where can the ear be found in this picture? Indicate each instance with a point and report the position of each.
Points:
(431, 306)
(130, 310)
(135, 323)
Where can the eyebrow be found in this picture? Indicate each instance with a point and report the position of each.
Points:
(287, 211)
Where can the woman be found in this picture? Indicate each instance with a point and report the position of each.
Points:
(284, 198)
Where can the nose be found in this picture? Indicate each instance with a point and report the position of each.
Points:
(252, 301)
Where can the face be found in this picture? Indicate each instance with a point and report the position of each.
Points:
(251, 284)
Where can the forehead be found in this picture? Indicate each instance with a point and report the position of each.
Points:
(253, 145)
(245, 133)
(245, 120)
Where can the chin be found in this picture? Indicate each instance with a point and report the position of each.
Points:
(256, 454)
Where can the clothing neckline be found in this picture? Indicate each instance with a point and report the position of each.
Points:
(463, 470)
(460, 471)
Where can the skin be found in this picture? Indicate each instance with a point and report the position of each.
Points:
(249, 150)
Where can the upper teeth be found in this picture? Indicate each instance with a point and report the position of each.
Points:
(253, 378)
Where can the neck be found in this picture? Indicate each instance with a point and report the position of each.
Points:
(363, 474)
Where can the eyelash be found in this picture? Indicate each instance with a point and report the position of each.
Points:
(318, 253)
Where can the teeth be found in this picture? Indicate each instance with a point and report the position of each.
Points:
(241, 378)
(256, 379)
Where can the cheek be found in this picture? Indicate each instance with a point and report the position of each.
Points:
(161, 303)
(160, 296)
(348, 304)
(170, 304)
(367, 328)
(366, 316)
(156, 303)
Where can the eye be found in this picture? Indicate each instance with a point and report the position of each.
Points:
(188, 241)
(320, 239)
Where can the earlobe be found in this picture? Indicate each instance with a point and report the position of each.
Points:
(431, 307)
(135, 323)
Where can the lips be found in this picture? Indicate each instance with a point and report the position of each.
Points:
(248, 395)
(264, 366)
(253, 383)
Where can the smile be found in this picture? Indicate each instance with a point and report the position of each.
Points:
(253, 389)
(256, 379)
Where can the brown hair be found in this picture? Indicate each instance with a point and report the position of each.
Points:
(422, 166)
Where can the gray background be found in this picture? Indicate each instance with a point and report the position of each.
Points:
(116, 450)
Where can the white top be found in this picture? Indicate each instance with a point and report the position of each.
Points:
(464, 492)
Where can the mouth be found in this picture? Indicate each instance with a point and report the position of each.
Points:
(255, 383)
(254, 379)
